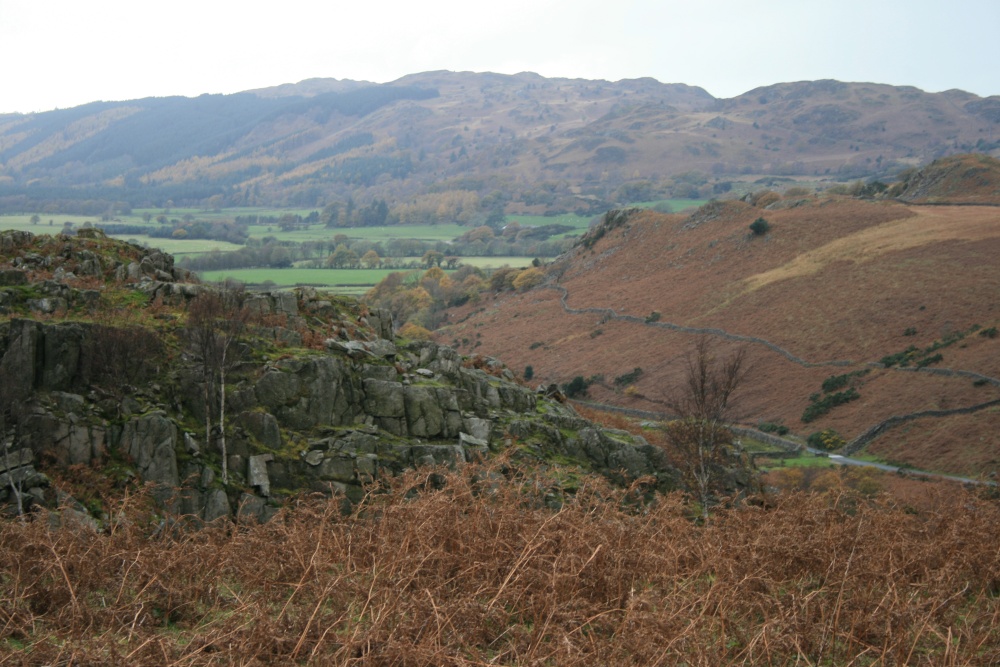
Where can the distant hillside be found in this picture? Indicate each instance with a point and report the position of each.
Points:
(960, 179)
(522, 143)
(893, 308)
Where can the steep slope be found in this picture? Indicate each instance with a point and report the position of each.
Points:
(832, 289)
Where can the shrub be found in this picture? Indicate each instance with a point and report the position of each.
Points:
(910, 331)
(927, 361)
(628, 378)
(819, 406)
(414, 332)
(653, 317)
(989, 333)
(836, 382)
(827, 440)
(576, 387)
(528, 278)
(529, 372)
(773, 427)
(900, 358)
(760, 226)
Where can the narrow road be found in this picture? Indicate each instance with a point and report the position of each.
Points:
(792, 445)
(857, 443)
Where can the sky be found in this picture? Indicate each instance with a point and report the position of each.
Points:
(63, 53)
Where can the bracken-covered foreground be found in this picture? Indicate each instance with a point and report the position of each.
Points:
(484, 566)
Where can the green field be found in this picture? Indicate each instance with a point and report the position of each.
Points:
(806, 460)
(341, 280)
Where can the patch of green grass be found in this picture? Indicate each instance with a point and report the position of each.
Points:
(754, 445)
(806, 460)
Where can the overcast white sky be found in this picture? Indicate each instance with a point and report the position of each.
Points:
(61, 53)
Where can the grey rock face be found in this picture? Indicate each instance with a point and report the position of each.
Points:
(361, 410)
(257, 473)
(151, 442)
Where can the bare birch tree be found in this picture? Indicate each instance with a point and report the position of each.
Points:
(216, 323)
(703, 406)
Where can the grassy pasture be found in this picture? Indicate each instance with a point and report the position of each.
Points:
(343, 281)
(805, 460)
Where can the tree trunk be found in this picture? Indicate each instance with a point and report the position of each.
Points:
(208, 411)
(222, 417)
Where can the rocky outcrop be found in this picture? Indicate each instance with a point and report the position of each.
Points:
(298, 419)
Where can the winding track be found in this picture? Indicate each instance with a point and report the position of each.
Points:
(854, 445)
(791, 445)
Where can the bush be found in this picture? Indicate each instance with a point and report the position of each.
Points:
(820, 406)
(576, 387)
(772, 427)
(628, 378)
(760, 226)
(653, 317)
(837, 382)
(528, 278)
(414, 332)
(827, 440)
(529, 372)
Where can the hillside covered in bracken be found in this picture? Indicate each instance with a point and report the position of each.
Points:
(875, 318)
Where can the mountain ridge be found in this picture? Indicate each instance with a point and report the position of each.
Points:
(535, 144)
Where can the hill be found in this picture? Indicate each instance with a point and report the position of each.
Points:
(959, 179)
(874, 319)
(365, 499)
(521, 143)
